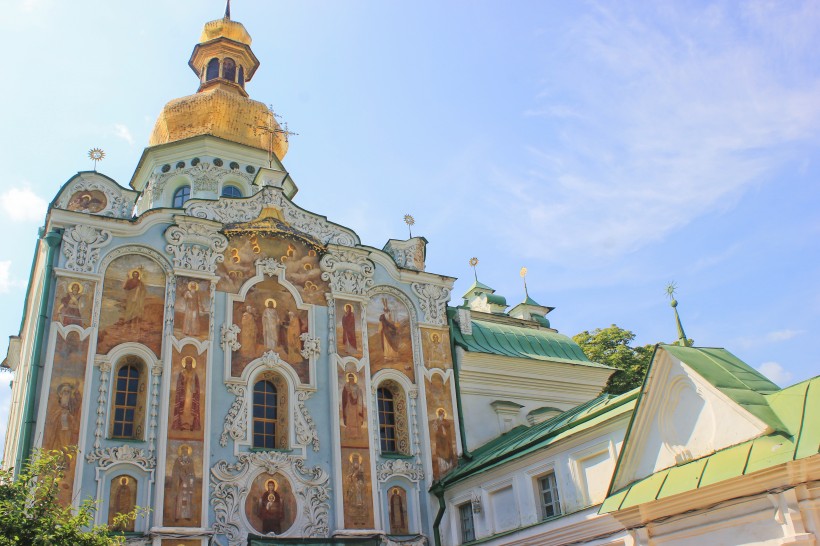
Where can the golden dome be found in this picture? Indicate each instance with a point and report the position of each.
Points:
(222, 113)
(225, 28)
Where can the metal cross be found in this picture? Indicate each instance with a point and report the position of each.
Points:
(272, 128)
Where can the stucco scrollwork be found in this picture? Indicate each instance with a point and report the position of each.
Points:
(433, 301)
(409, 469)
(117, 205)
(347, 271)
(408, 254)
(121, 454)
(235, 425)
(105, 367)
(230, 337)
(81, 247)
(269, 266)
(306, 433)
(311, 346)
(195, 246)
(230, 483)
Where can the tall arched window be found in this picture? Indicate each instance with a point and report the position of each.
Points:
(229, 69)
(387, 420)
(242, 76)
(182, 194)
(213, 69)
(231, 191)
(128, 403)
(269, 412)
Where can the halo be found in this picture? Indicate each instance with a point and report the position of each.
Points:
(275, 484)
(78, 285)
(84, 195)
(395, 491)
(271, 300)
(441, 410)
(355, 454)
(124, 480)
(193, 285)
(135, 270)
(435, 337)
(348, 307)
(189, 360)
(348, 375)
(183, 447)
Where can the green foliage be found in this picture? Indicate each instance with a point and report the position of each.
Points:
(31, 515)
(611, 346)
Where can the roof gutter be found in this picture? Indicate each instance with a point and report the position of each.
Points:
(52, 239)
(438, 491)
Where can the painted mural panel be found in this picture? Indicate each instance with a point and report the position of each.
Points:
(271, 504)
(397, 511)
(388, 335)
(74, 299)
(180, 542)
(133, 304)
(192, 308)
(122, 499)
(353, 408)
(348, 328)
(301, 262)
(268, 320)
(184, 455)
(436, 346)
(441, 426)
(358, 496)
(88, 201)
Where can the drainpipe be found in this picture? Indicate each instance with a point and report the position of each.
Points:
(52, 239)
(461, 429)
(438, 491)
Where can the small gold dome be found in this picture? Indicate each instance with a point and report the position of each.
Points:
(225, 28)
(221, 113)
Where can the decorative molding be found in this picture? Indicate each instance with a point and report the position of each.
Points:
(306, 433)
(311, 346)
(204, 177)
(81, 247)
(475, 500)
(348, 271)
(406, 468)
(102, 401)
(118, 203)
(230, 338)
(465, 322)
(230, 485)
(156, 373)
(419, 540)
(121, 454)
(195, 246)
(236, 420)
(270, 267)
(408, 254)
(433, 302)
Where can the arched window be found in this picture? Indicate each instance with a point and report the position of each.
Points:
(128, 403)
(387, 421)
(229, 69)
(264, 415)
(182, 194)
(242, 76)
(213, 69)
(231, 191)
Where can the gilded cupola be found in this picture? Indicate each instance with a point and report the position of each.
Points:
(224, 62)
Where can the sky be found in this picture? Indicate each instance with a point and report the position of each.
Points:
(610, 147)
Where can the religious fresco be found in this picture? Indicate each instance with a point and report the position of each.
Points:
(180, 542)
(271, 505)
(192, 308)
(441, 426)
(348, 329)
(397, 511)
(133, 304)
(268, 320)
(122, 499)
(301, 261)
(184, 456)
(388, 331)
(353, 408)
(65, 401)
(87, 201)
(436, 346)
(73, 301)
(357, 492)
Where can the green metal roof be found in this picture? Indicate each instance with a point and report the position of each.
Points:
(529, 301)
(523, 440)
(496, 299)
(479, 285)
(519, 341)
(740, 382)
(797, 406)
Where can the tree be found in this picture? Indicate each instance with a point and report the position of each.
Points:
(30, 514)
(611, 346)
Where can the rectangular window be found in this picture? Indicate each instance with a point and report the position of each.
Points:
(548, 496)
(465, 514)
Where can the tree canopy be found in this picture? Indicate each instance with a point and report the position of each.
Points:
(613, 347)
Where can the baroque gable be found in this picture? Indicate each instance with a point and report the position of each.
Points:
(95, 193)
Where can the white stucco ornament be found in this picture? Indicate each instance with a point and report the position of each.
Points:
(347, 271)
(433, 302)
(195, 246)
(81, 247)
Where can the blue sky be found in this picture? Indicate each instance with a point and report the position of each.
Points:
(610, 147)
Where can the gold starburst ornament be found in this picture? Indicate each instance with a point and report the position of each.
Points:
(96, 155)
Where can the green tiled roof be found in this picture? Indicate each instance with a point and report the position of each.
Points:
(519, 341)
(740, 382)
(797, 407)
(523, 440)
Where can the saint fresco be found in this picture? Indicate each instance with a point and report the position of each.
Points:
(353, 408)
(388, 331)
(88, 201)
(397, 511)
(187, 410)
(122, 500)
(358, 498)
(441, 426)
(301, 263)
(133, 304)
(74, 299)
(436, 345)
(183, 484)
(192, 308)
(348, 329)
(271, 506)
(65, 401)
(268, 320)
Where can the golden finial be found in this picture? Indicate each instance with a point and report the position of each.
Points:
(523, 274)
(473, 264)
(409, 220)
(95, 155)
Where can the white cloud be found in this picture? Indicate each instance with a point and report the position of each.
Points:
(122, 131)
(668, 113)
(23, 205)
(782, 335)
(777, 373)
(5, 276)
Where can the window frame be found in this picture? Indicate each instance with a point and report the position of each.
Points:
(264, 419)
(232, 187)
(385, 427)
(463, 530)
(182, 199)
(555, 497)
(140, 408)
